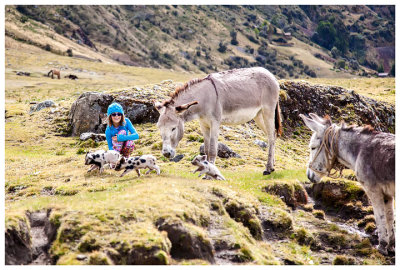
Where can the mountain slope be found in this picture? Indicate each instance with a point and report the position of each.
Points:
(211, 38)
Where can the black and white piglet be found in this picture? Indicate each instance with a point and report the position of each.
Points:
(136, 163)
(100, 158)
(206, 167)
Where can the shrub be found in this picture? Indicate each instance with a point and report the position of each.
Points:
(24, 19)
(222, 47)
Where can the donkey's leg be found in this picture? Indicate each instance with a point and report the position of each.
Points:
(266, 123)
(388, 200)
(205, 129)
(376, 197)
(214, 131)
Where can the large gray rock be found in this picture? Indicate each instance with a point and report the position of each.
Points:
(223, 151)
(89, 112)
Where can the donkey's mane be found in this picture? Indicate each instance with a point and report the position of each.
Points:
(181, 89)
(367, 129)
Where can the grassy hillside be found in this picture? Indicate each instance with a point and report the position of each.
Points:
(102, 215)
(211, 38)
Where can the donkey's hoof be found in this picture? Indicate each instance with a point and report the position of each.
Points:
(267, 172)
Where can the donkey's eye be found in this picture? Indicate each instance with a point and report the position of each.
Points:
(313, 148)
(173, 129)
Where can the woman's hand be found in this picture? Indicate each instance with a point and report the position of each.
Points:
(115, 138)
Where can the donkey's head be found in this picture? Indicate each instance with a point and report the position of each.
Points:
(319, 163)
(171, 125)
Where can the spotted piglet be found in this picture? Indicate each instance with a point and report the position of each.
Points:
(100, 158)
(206, 167)
(136, 163)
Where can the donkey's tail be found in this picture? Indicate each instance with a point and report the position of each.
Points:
(278, 124)
(48, 74)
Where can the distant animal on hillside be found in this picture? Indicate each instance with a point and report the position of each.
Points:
(100, 158)
(136, 163)
(206, 167)
(370, 154)
(71, 76)
(229, 97)
(54, 72)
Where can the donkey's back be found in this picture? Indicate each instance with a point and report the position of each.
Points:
(377, 158)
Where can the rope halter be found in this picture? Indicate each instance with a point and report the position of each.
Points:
(330, 146)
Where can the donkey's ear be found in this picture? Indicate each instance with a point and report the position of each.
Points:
(184, 107)
(317, 118)
(325, 121)
(159, 106)
(312, 124)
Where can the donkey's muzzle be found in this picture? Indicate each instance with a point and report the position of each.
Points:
(168, 153)
(311, 176)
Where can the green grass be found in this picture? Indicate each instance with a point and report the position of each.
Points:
(44, 170)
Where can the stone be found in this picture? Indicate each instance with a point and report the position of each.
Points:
(90, 135)
(41, 106)
(223, 151)
(177, 158)
(260, 143)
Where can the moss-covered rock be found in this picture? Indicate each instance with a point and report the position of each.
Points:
(18, 245)
(245, 214)
(275, 222)
(188, 241)
(292, 193)
(343, 260)
(345, 197)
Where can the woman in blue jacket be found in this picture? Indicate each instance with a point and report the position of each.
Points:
(118, 129)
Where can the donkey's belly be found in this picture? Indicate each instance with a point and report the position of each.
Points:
(239, 116)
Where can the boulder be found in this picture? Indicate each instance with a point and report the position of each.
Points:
(89, 112)
(223, 151)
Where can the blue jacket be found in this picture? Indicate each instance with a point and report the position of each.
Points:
(128, 127)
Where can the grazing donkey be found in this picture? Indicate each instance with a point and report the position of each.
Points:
(370, 154)
(230, 97)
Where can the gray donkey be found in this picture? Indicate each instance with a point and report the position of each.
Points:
(230, 97)
(370, 154)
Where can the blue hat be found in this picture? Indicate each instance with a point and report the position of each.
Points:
(114, 107)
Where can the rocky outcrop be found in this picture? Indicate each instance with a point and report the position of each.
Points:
(88, 113)
(339, 103)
